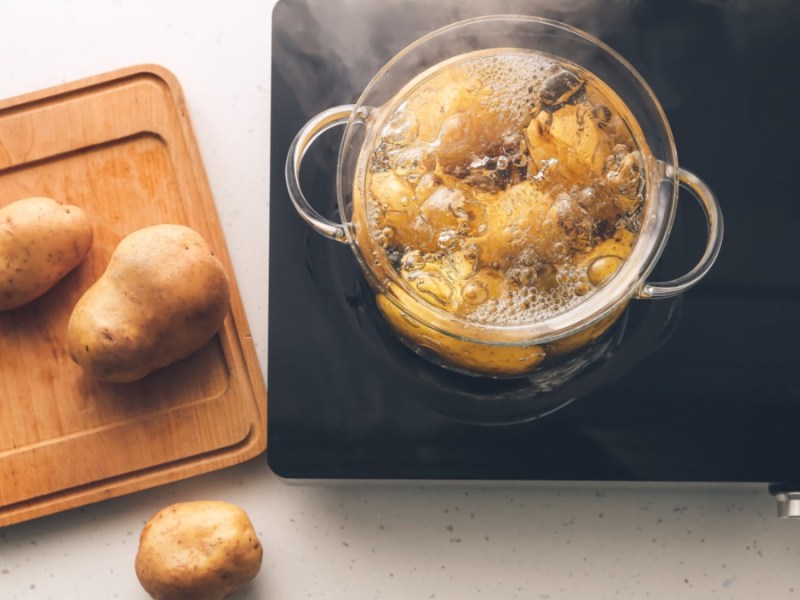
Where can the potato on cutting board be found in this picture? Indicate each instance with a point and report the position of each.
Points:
(163, 295)
(41, 240)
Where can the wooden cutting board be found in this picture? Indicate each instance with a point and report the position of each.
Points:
(120, 146)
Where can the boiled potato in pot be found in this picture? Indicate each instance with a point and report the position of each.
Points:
(162, 297)
(41, 240)
(202, 550)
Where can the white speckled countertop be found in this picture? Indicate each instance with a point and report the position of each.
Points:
(359, 541)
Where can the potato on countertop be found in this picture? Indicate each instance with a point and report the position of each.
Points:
(41, 241)
(202, 550)
(163, 295)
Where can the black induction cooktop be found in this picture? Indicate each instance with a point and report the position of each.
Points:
(704, 387)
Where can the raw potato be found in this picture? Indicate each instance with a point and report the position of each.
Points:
(41, 241)
(162, 297)
(201, 550)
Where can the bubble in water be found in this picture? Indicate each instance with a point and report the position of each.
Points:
(401, 129)
(432, 285)
(461, 264)
(623, 171)
(441, 208)
(474, 292)
(474, 85)
(575, 223)
(599, 204)
(524, 275)
(448, 239)
(410, 160)
(581, 288)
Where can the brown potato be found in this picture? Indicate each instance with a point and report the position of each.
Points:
(162, 297)
(202, 550)
(516, 222)
(41, 241)
(583, 338)
(574, 136)
(492, 360)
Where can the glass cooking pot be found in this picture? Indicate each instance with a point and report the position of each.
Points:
(499, 349)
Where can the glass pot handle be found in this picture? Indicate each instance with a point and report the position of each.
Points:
(316, 126)
(703, 194)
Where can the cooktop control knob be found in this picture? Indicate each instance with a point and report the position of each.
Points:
(788, 498)
(788, 505)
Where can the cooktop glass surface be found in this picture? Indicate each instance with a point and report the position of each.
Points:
(703, 387)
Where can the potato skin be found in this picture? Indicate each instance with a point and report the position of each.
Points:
(162, 297)
(41, 241)
(488, 359)
(202, 550)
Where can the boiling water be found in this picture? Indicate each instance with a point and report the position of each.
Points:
(504, 187)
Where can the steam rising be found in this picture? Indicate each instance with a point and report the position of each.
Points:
(344, 43)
